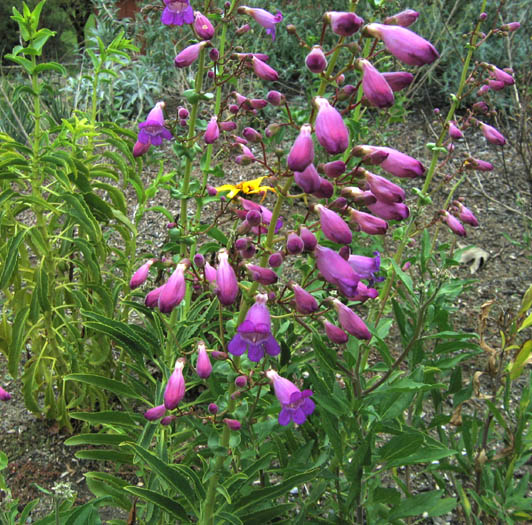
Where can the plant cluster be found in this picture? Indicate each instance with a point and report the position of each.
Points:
(284, 361)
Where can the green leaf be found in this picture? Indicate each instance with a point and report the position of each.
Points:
(96, 439)
(168, 505)
(18, 338)
(110, 417)
(522, 358)
(105, 455)
(267, 515)
(404, 277)
(427, 504)
(117, 387)
(218, 235)
(11, 259)
(41, 287)
(175, 478)
(400, 447)
(229, 518)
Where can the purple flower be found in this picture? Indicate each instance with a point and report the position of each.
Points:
(334, 169)
(254, 334)
(393, 161)
(212, 132)
(275, 260)
(226, 282)
(308, 179)
(152, 130)
(466, 215)
(454, 224)
(175, 388)
(190, 54)
(152, 298)
(334, 333)
(275, 98)
(404, 44)
(364, 293)
(264, 276)
(302, 152)
(295, 405)
(263, 70)
(325, 189)
(398, 80)
(139, 149)
(212, 408)
(492, 135)
(210, 272)
(454, 131)
(203, 364)
(152, 414)
(331, 131)
(308, 238)
(177, 13)
(366, 267)
(404, 18)
(344, 23)
(383, 189)
(233, 424)
(4, 395)
(333, 226)
(202, 26)
(376, 89)
(140, 276)
(294, 244)
(477, 164)
(173, 291)
(336, 270)
(316, 61)
(305, 302)
(264, 18)
(368, 223)
(350, 321)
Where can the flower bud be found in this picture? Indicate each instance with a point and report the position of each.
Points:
(199, 260)
(334, 333)
(202, 26)
(254, 217)
(480, 107)
(219, 356)
(368, 223)
(141, 275)
(203, 364)
(175, 388)
(316, 61)
(272, 130)
(182, 113)
(294, 244)
(214, 55)
(330, 128)
(325, 190)
(153, 297)
(241, 381)
(212, 408)
(263, 70)
(404, 18)
(351, 322)
(308, 238)
(264, 276)
(466, 215)
(398, 80)
(4, 395)
(333, 226)
(376, 89)
(190, 54)
(454, 224)
(233, 424)
(155, 413)
(334, 169)
(212, 132)
(251, 135)
(492, 135)
(212, 191)
(454, 131)
(275, 98)
(305, 302)
(308, 179)
(302, 151)
(343, 23)
(275, 260)
(227, 284)
(477, 164)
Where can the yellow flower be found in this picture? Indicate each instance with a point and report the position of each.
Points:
(247, 187)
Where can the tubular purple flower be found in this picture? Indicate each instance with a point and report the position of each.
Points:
(492, 135)
(140, 276)
(139, 148)
(358, 196)
(212, 132)
(177, 13)
(152, 298)
(275, 260)
(302, 151)
(350, 321)
(152, 130)
(168, 419)
(478, 164)
(202, 26)
(334, 333)
(175, 388)
(336, 270)
(404, 18)
(325, 190)
(203, 364)
(454, 224)
(173, 291)
(294, 244)
(263, 70)
(501, 76)
(4, 395)
(190, 54)
(466, 215)
(376, 89)
(308, 179)
(226, 282)
(331, 131)
(364, 293)
(454, 131)
(511, 26)
(228, 125)
(252, 135)
(264, 276)
(366, 267)
(368, 223)
(264, 18)
(395, 211)
(296, 406)
(398, 80)
(308, 238)
(396, 163)
(344, 23)
(233, 424)
(275, 98)
(155, 413)
(254, 334)
(385, 190)
(316, 61)
(305, 302)
(333, 226)
(494, 85)
(210, 272)
(404, 44)
(334, 169)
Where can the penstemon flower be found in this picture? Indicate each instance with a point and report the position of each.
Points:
(152, 130)
(177, 13)
(331, 131)
(175, 388)
(254, 334)
(296, 405)
(264, 18)
(226, 282)
(376, 90)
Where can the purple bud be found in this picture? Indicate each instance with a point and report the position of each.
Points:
(334, 333)
(139, 149)
(344, 253)
(368, 223)
(333, 226)
(454, 131)
(233, 424)
(152, 414)
(275, 260)
(182, 113)
(376, 89)
(398, 80)
(190, 54)
(253, 217)
(203, 364)
(272, 130)
(212, 191)
(511, 26)
(477, 164)
(338, 204)
(140, 276)
(212, 408)
(334, 169)
(228, 125)
(168, 419)
(202, 26)
(219, 356)
(308, 238)
(175, 388)
(242, 243)
(336, 270)
(263, 70)
(325, 191)
(302, 151)
(305, 302)
(316, 61)
(241, 381)
(173, 291)
(308, 179)
(492, 135)
(294, 244)
(383, 189)
(4, 395)
(214, 55)
(466, 215)
(454, 224)
(358, 196)
(243, 29)
(389, 211)
(252, 135)
(212, 132)
(233, 108)
(275, 98)
(350, 321)
(227, 284)
(404, 18)
(344, 23)
(248, 252)
(330, 128)
(199, 260)
(152, 297)
(264, 276)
